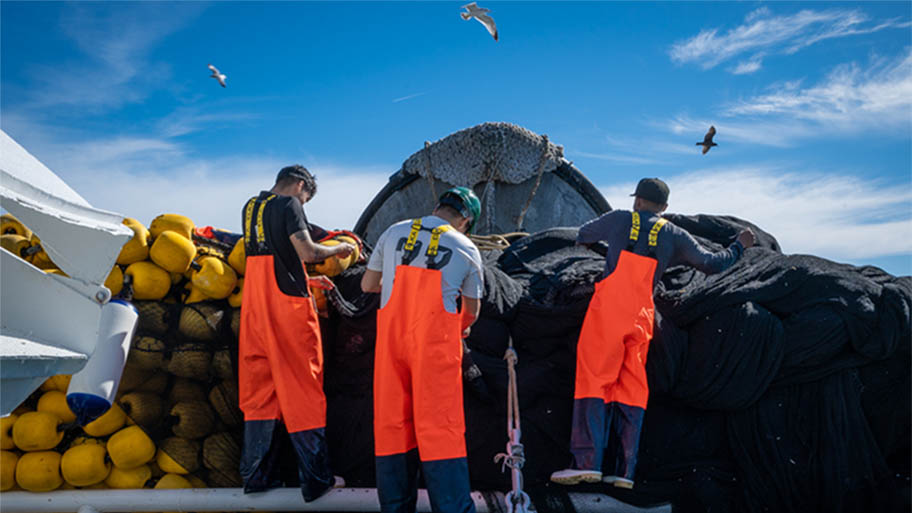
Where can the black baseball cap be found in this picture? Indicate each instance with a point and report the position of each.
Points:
(652, 189)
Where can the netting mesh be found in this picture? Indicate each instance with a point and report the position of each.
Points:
(489, 151)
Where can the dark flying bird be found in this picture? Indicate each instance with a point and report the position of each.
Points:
(216, 75)
(480, 14)
(708, 140)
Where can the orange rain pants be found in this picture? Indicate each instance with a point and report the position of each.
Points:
(611, 390)
(280, 379)
(418, 371)
(280, 371)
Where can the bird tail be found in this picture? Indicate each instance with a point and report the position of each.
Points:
(465, 16)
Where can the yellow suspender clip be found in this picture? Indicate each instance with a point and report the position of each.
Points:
(435, 239)
(635, 227)
(654, 232)
(413, 235)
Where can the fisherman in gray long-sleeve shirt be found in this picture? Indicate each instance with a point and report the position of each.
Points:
(675, 245)
(611, 392)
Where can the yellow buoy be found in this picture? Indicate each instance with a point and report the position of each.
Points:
(172, 252)
(85, 465)
(237, 295)
(54, 401)
(8, 460)
(175, 222)
(59, 382)
(10, 225)
(131, 447)
(114, 281)
(39, 471)
(137, 248)
(111, 421)
(6, 431)
(37, 431)
(40, 258)
(215, 278)
(172, 481)
(149, 280)
(238, 258)
(129, 478)
(15, 244)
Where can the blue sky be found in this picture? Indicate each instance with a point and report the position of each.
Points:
(812, 102)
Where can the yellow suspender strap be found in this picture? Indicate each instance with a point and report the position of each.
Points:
(435, 238)
(261, 233)
(413, 235)
(654, 232)
(248, 219)
(635, 227)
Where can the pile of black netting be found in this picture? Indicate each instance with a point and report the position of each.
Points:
(781, 384)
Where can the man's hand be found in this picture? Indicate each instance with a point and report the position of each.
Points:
(747, 238)
(466, 332)
(344, 249)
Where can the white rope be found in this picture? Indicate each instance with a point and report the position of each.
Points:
(517, 501)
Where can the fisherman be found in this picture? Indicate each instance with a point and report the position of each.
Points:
(425, 266)
(611, 391)
(280, 358)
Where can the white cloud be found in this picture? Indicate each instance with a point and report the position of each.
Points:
(763, 32)
(749, 66)
(849, 97)
(187, 120)
(833, 216)
(144, 176)
(849, 101)
(116, 40)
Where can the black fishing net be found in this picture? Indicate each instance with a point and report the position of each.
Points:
(781, 384)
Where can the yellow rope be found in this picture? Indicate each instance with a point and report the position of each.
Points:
(495, 241)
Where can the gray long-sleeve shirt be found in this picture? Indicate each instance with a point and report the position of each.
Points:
(675, 245)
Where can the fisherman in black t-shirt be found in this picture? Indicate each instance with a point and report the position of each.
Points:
(280, 359)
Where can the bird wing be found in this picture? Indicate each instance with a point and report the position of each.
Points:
(705, 149)
(214, 69)
(488, 22)
(470, 6)
(708, 138)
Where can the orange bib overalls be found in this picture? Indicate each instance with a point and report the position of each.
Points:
(611, 390)
(418, 410)
(280, 372)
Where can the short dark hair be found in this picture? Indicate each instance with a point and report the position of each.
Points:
(294, 173)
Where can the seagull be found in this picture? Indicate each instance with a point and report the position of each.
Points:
(708, 140)
(216, 75)
(479, 13)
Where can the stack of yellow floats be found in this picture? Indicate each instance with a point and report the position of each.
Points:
(177, 381)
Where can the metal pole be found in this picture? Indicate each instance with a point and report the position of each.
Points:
(213, 499)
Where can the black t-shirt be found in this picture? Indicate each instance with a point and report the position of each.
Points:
(282, 217)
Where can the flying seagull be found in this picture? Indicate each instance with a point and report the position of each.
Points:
(216, 75)
(708, 140)
(480, 14)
